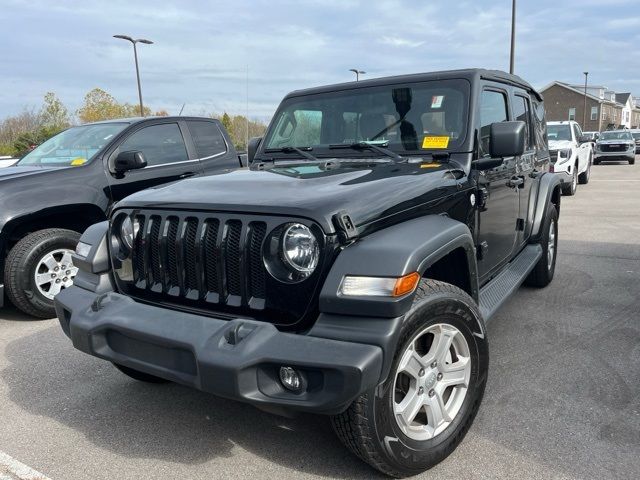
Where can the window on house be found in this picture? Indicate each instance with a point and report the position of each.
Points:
(594, 113)
(572, 114)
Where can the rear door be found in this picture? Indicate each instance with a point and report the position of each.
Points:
(168, 158)
(211, 146)
(499, 208)
(527, 162)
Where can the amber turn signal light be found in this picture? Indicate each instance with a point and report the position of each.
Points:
(406, 284)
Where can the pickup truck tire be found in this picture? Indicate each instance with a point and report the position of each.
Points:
(570, 189)
(542, 273)
(29, 257)
(584, 177)
(140, 376)
(373, 428)
(632, 162)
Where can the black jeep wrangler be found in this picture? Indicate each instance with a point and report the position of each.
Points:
(350, 271)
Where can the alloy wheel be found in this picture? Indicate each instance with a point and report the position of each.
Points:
(54, 272)
(431, 381)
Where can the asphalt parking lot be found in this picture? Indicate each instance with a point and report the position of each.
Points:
(563, 398)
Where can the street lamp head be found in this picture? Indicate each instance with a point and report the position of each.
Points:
(124, 37)
(144, 40)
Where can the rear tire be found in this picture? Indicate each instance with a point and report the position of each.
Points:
(377, 426)
(140, 376)
(543, 272)
(28, 262)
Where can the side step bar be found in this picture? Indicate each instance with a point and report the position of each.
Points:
(501, 287)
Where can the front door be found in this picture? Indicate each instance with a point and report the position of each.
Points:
(164, 148)
(498, 191)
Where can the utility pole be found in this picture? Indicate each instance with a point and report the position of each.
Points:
(584, 116)
(357, 72)
(513, 37)
(135, 56)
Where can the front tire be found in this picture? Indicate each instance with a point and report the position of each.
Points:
(570, 190)
(423, 410)
(38, 267)
(584, 177)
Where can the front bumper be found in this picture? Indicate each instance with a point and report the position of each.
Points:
(201, 352)
(626, 155)
(564, 172)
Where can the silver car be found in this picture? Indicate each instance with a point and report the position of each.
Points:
(615, 145)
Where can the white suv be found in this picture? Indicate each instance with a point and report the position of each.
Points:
(571, 154)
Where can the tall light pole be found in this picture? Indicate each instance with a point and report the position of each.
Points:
(135, 56)
(584, 114)
(357, 72)
(513, 37)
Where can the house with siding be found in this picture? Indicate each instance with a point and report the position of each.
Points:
(566, 102)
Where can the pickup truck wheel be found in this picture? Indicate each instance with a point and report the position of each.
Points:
(138, 375)
(542, 273)
(423, 410)
(632, 162)
(584, 177)
(38, 267)
(571, 188)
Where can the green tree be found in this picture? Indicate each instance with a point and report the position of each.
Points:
(54, 114)
(226, 122)
(99, 105)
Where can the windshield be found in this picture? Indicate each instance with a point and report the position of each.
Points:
(615, 136)
(73, 147)
(410, 117)
(636, 135)
(559, 132)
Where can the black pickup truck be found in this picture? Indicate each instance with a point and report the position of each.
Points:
(349, 272)
(72, 180)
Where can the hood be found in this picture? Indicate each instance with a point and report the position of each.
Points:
(367, 193)
(18, 171)
(560, 144)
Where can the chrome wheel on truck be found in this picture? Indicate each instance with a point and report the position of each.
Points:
(54, 272)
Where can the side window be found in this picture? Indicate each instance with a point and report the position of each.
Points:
(541, 125)
(207, 138)
(160, 144)
(521, 111)
(493, 108)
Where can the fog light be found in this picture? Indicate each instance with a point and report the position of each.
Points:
(291, 379)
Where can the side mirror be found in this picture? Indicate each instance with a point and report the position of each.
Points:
(252, 148)
(584, 139)
(126, 161)
(507, 139)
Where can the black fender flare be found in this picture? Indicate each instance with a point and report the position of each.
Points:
(549, 186)
(411, 246)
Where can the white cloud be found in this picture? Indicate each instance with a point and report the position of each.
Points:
(400, 42)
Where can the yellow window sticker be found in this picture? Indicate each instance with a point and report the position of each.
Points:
(429, 165)
(435, 142)
(76, 162)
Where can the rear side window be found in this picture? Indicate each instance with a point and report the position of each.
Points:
(493, 109)
(160, 144)
(521, 112)
(541, 125)
(207, 138)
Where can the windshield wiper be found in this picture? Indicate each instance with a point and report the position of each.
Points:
(303, 151)
(370, 146)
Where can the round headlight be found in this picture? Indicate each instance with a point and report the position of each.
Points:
(126, 232)
(300, 248)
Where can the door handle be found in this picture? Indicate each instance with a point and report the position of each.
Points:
(187, 175)
(516, 182)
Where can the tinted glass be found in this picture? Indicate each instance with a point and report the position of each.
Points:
(619, 135)
(73, 147)
(521, 112)
(398, 116)
(493, 109)
(541, 125)
(207, 138)
(559, 132)
(160, 144)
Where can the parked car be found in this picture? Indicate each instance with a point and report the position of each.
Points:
(592, 136)
(616, 145)
(635, 133)
(72, 181)
(349, 272)
(571, 154)
(6, 161)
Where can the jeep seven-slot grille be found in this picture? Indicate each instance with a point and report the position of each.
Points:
(214, 259)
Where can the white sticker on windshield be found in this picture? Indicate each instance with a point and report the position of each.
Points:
(436, 101)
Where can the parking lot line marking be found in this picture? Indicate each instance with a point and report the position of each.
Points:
(12, 469)
(615, 180)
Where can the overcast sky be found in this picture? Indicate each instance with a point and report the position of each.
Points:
(203, 48)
